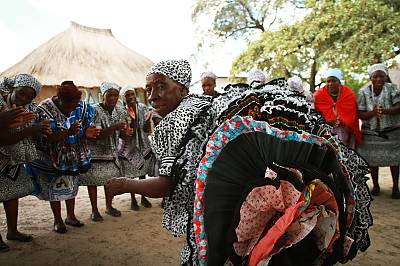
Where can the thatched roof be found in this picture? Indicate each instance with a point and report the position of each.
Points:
(86, 55)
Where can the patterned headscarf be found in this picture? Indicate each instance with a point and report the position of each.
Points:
(256, 77)
(377, 67)
(6, 84)
(105, 86)
(20, 80)
(334, 72)
(295, 84)
(208, 75)
(177, 70)
(125, 89)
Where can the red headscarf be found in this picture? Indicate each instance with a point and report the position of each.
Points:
(346, 108)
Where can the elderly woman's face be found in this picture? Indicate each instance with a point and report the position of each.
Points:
(130, 98)
(333, 83)
(378, 78)
(22, 95)
(164, 93)
(110, 98)
(208, 85)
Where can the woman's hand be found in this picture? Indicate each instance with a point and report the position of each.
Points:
(92, 132)
(74, 129)
(116, 186)
(119, 126)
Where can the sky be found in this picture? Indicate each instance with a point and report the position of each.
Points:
(158, 29)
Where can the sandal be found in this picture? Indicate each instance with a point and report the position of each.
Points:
(96, 217)
(396, 194)
(74, 223)
(145, 203)
(20, 237)
(4, 247)
(59, 230)
(376, 191)
(113, 212)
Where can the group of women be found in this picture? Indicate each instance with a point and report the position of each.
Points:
(253, 175)
(49, 149)
(378, 106)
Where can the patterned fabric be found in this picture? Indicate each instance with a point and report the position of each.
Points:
(105, 164)
(137, 149)
(6, 84)
(13, 189)
(105, 86)
(72, 155)
(26, 80)
(367, 100)
(256, 77)
(13, 156)
(295, 84)
(177, 70)
(177, 143)
(228, 131)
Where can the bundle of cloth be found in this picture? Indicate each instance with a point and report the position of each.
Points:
(274, 186)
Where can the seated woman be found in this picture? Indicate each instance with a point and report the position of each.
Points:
(202, 197)
(18, 148)
(64, 154)
(379, 109)
(338, 105)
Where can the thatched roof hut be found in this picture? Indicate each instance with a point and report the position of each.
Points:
(86, 55)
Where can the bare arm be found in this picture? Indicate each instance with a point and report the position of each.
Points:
(156, 187)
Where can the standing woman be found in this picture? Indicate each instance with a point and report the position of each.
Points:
(379, 109)
(64, 153)
(208, 84)
(338, 105)
(137, 157)
(110, 118)
(18, 148)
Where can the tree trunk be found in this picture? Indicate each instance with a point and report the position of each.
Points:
(312, 75)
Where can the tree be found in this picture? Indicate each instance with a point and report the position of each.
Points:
(239, 18)
(347, 34)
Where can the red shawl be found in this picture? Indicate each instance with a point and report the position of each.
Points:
(346, 108)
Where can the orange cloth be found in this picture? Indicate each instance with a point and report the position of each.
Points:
(346, 108)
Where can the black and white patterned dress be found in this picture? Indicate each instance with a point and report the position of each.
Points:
(14, 181)
(177, 143)
(105, 163)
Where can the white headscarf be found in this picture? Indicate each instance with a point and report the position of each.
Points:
(256, 77)
(334, 72)
(372, 69)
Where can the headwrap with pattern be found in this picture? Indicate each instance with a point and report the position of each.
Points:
(256, 77)
(20, 80)
(105, 86)
(208, 74)
(177, 70)
(124, 90)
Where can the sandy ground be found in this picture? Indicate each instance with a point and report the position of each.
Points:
(137, 238)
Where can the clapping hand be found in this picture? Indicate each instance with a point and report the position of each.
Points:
(16, 117)
(74, 129)
(92, 132)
